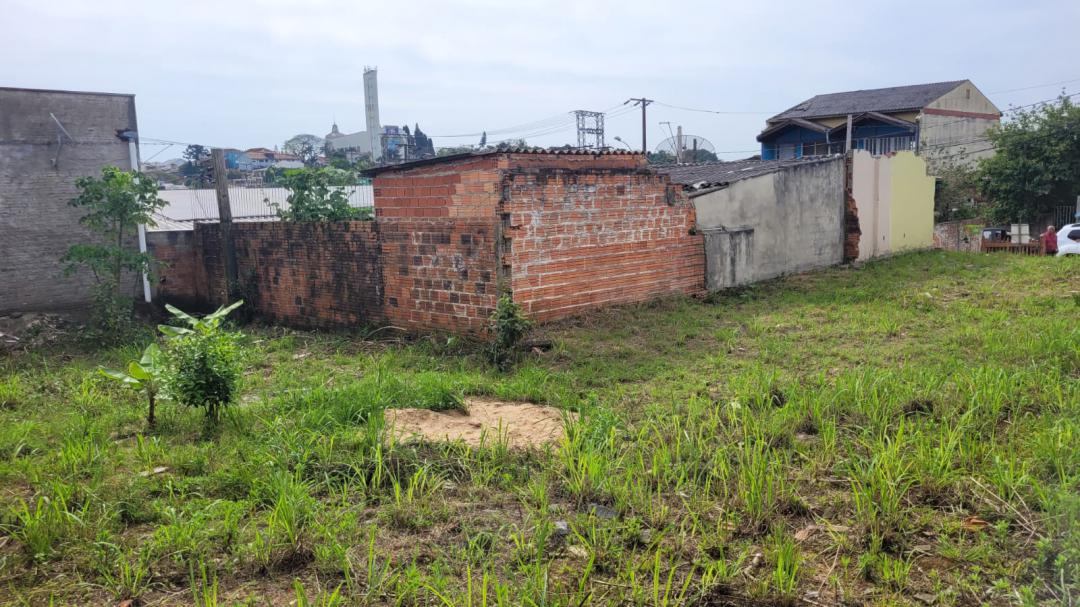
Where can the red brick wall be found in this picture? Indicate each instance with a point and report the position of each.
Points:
(301, 274)
(439, 273)
(585, 239)
(178, 270)
(566, 233)
(463, 188)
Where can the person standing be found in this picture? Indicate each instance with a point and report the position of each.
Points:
(1050, 241)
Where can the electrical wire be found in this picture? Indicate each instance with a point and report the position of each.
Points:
(691, 109)
(1034, 86)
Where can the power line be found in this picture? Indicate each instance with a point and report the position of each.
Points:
(1034, 86)
(691, 109)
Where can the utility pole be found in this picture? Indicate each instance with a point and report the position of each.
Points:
(643, 102)
(847, 138)
(228, 250)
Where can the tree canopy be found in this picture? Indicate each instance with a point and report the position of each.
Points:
(423, 145)
(1036, 166)
(306, 146)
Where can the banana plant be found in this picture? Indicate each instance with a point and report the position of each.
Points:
(145, 375)
(203, 326)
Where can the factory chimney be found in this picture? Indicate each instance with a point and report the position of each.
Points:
(371, 111)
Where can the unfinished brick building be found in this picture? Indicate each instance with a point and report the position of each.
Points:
(562, 232)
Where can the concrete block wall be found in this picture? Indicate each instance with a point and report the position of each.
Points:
(581, 239)
(37, 225)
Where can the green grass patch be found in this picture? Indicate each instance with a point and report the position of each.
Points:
(855, 435)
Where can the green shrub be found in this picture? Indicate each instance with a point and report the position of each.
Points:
(508, 327)
(203, 361)
(143, 375)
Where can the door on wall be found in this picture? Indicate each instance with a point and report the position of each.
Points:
(729, 257)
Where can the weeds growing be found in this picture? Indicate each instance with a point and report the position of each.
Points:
(854, 435)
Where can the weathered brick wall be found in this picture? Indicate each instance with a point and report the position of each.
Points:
(37, 226)
(958, 235)
(439, 273)
(581, 239)
(300, 274)
(179, 274)
(565, 233)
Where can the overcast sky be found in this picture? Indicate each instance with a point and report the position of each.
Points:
(253, 73)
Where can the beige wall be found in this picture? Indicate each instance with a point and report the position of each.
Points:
(953, 139)
(895, 201)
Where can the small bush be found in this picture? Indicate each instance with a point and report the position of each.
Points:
(508, 326)
(204, 371)
(203, 362)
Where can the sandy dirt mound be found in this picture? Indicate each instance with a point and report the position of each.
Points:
(523, 424)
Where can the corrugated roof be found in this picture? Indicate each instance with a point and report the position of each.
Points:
(891, 99)
(516, 150)
(717, 174)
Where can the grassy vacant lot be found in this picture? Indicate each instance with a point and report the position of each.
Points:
(907, 432)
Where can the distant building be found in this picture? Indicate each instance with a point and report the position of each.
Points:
(940, 120)
(354, 145)
(256, 159)
(234, 159)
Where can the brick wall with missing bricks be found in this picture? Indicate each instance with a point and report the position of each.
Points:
(564, 232)
(439, 273)
(586, 238)
(300, 274)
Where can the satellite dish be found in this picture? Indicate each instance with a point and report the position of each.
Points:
(683, 147)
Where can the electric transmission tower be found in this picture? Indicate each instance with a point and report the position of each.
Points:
(590, 123)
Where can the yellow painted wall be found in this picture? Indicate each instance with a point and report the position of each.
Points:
(911, 207)
(895, 201)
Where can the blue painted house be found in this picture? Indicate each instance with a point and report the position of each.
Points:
(934, 117)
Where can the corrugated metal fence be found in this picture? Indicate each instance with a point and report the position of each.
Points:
(185, 207)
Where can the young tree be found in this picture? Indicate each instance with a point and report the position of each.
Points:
(143, 375)
(483, 140)
(1037, 162)
(319, 195)
(115, 205)
(956, 193)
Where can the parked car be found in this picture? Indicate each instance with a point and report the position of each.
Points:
(1069, 240)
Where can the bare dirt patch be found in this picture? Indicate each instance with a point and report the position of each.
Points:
(523, 424)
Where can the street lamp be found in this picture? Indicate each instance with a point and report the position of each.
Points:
(620, 140)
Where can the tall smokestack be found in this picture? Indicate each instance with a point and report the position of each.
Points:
(371, 111)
